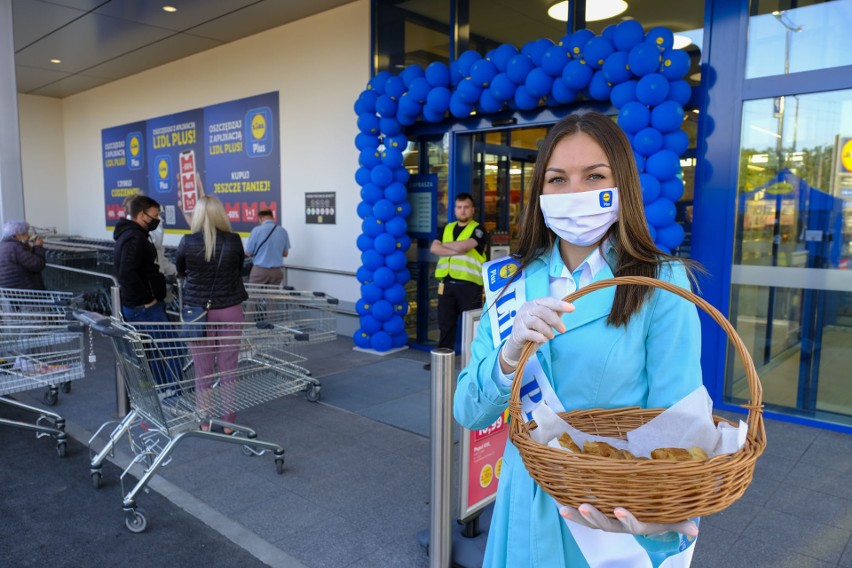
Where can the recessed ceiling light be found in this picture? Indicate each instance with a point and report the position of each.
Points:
(597, 10)
(56, 61)
(169, 9)
(681, 41)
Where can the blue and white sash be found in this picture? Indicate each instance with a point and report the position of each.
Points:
(601, 549)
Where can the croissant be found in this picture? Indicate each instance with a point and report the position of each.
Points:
(605, 450)
(566, 442)
(679, 454)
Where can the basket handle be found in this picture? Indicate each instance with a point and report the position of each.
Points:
(755, 405)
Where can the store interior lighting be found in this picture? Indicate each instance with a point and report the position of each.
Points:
(595, 10)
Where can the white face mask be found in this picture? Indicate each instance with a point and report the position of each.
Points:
(580, 218)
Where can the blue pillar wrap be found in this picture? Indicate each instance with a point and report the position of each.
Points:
(638, 72)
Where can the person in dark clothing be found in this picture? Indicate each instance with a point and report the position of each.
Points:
(211, 260)
(21, 264)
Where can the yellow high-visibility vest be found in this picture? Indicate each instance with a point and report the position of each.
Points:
(468, 266)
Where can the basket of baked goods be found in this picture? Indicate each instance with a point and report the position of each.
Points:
(620, 457)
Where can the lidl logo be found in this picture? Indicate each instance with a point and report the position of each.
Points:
(779, 188)
(258, 127)
(163, 173)
(134, 146)
(163, 169)
(501, 272)
(135, 151)
(846, 155)
(606, 199)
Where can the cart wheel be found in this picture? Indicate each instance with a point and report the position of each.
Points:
(279, 465)
(136, 521)
(313, 394)
(50, 397)
(61, 449)
(97, 479)
(66, 387)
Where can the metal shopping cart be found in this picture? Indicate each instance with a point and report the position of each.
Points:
(182, 383)
(39, 348)
(300, 318)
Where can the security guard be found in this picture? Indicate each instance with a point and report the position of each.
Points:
(459, 272)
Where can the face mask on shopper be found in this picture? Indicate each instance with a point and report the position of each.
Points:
(153, 224)
(582, 218)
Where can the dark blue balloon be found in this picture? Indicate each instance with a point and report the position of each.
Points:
(395, 192)
(366, 141)
(431, 115)
(386, 106)
(633, 117)
(371, 293)
(680, 91)
(675, 64)
(362, 175)
(623, 93)
(384, 209)
(403, 242)
(384, 278)
(438, 74)
(396, 260)
(398, 141)
(392, 158)
(372, 260)
(364, 275)
(368, 100)
(369, 324)
(615, 68)
(395, 87)
(381, 175)
(671, 235)
(361, 339)
(652, 89)
(403, 209)
(394, 325)
(577, 41)
(577, 75)
(395, 294)
(561, 92)
(677, 141)
(661, 37)
(652, 231)
(524, 100)
(535, 49)
(660, 212)
(468, 91)
(390, 126)
(384, 244)
(554, 60)
(644, 59)
(667, 116)
(396, 226)
(377, 83)
(640, 161)
(627, 34)
(372, 227)
(488, 104)
(403, 276)
(407, 119)
(538, 82)
(410, 73)
(482, 71)
(363, 242)
(672, 189)
(599, 88)
(369, 157)
(438, 99)
(381, 341)
(371, 193)
(609, 31)
(364, 210)
(663, 248)
(368, 123)
(647, 141)
(382, 310)
(465, 60)
(502, 55)
(664, 165)
(459, 108)
(518, 67)
(419, 90)
(596, 51)
(650, 188)
(502, 87)
(401, 175)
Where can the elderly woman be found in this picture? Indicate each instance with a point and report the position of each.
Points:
(21, 264)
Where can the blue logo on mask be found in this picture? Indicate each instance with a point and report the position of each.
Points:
(606, 199)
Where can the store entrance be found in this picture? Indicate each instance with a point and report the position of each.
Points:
(496, 168)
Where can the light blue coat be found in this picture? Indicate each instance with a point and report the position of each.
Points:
(653, 362)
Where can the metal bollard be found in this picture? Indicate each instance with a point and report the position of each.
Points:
(122, 403)
(440, 536)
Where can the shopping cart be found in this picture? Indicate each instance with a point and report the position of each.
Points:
(176, 392)
(39, 348)
(300, 318)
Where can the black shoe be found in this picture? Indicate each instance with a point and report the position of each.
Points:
(428, 366)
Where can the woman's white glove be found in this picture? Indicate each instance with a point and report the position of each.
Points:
(624, 522)
(535, 321)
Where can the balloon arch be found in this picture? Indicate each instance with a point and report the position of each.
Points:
(640, 74)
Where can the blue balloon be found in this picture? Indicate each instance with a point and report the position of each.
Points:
(395, 192)
(403, 209)
(403, 242)
(577, 41)
(364, 210)
(371, 193)
(438, 74)
(652, 231)
(675, 64)
(395, 293)
(372, 260)
(680, 92)
(377, 83)
(408, 105)
(394, 87)
(368, 100)
(538, 82)
(577, 75)
(381, 175)
(396, 260)
(647, 141)
(524, 100)
(644, 59)
(369, 157)
(502, 87)
(390, 126)
(400, 309)
(596, 51)
(650, 188)
(364, 275)
(660, 212)
(459, 108)
(384, 277)
(482, 72)
(616, 69)
(502, 55)
(663, 248)
(394, 325)
(652, 89)
(371, 293)
(553, 60)
(381, 341)
(386, 106)
(488, 103)
(465, 60)
(398, 141)
(561, 92)
(438, 100)
(518, 67)
(365, 242)
(671, 235)
(384, 244)
(384, 209)
(468, 91)
(361, 339)
(672, 189)
(535, 49)
(623, 93)
(362, 175)
(633, 117)
(640, 161)
(677, 142)
(667, 116)
(410, 73)
(372, 227)
(664, 165)
(368, 123)
(369, 324)
(407, 119)
(403, 276)
(382, 310)
(401, 175)
(599, 88)
(661, 37)
(627, 34)
(396, 226)
(399, 340)
(393, 158)
(419, 89)
(366, 141)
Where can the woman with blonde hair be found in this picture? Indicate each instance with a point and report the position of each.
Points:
(211, 259)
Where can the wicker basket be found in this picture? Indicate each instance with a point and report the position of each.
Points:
(654, 491)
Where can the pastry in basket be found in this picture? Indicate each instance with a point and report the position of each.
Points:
(605, 450)
(566, 442)
(679, 454)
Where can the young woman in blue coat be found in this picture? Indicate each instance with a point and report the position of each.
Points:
(616, 347)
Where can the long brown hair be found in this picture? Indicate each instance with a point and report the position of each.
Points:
(636, 253)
